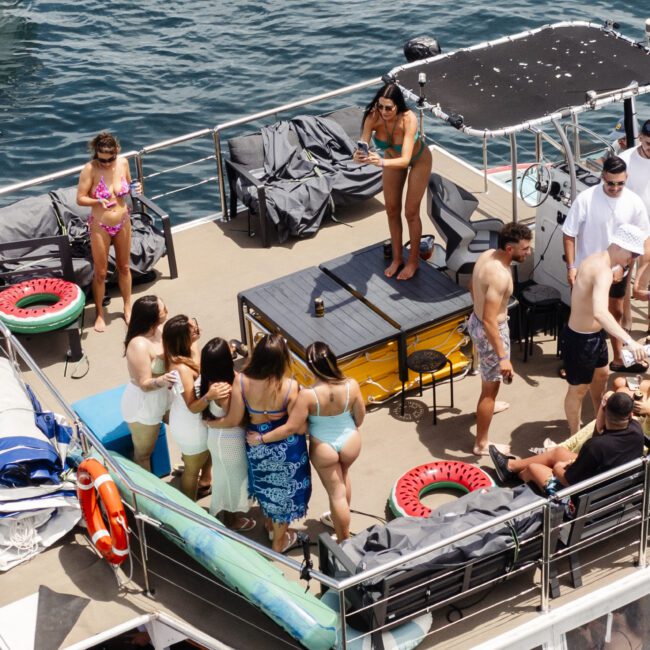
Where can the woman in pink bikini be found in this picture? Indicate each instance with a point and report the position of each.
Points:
(103, 187)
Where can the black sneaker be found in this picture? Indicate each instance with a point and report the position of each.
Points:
(500, 462)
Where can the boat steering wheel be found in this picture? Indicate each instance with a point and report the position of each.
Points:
(535, 184)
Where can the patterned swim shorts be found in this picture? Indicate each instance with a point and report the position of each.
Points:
(488, 358)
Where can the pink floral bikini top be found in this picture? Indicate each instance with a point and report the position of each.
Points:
(102, 191)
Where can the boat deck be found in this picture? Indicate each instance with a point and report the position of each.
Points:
(216, 261)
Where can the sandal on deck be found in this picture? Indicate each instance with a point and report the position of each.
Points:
(248, 524)
(636, 368)
(292, 542)
(326, 519)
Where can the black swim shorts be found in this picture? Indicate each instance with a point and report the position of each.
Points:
(617, 290)
(582, 354)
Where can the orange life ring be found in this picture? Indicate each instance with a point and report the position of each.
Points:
(93, 478)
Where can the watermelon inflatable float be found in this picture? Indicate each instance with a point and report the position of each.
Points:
(41, 305)
(410, 487)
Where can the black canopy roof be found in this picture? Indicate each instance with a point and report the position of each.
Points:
(511, 83)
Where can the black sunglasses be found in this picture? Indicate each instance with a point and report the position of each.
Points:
(614, 183)
(105, 160)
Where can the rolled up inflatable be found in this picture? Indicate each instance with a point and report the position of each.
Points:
(301, 614)
(312, 622)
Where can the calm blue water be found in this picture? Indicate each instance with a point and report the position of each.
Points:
(155, 70)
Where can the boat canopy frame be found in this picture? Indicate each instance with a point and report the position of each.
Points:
(472, 88)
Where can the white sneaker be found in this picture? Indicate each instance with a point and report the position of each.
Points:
(326, 519)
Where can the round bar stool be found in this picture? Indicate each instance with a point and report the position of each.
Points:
(429, 361)
(538, 299)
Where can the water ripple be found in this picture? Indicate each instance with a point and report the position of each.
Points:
(155, 70)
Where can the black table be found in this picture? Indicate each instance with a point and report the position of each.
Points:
(287, 303)
(409, 305)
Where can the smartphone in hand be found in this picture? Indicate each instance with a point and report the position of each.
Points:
(363, 148)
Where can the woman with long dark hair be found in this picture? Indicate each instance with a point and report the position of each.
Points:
(279, 475)
(335, 410)
(146, 396)
(185, 421)
(406, 161)
(227, 445)
(104, 188)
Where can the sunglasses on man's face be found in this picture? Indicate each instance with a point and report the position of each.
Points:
(614, 183)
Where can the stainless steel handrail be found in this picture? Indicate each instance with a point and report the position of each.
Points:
(340, 586)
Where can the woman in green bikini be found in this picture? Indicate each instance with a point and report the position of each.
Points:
(406, 161)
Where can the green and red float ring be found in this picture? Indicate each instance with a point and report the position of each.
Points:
(66, 301)
(413, 485)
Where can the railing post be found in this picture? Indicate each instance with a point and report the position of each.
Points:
(344, 640)
(546, 559)
(222, 186)
(138, 168)
(143, 546)
(643, 542)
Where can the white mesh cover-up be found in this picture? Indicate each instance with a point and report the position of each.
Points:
(229, 467)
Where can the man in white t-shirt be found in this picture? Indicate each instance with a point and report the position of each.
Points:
(637, 160)
(592, 220)
(638, 174)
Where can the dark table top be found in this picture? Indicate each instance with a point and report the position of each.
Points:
(428, 297)
(348, 325)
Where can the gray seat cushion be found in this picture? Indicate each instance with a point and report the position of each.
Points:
(349, 118)
(247, 150)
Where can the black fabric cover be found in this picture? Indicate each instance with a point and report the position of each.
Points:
(383, 543)
(30, 218)
(308, 169)
(545, 72)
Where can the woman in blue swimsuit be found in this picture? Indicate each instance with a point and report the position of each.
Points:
(335, 409)
(406, 161)
(278, 463)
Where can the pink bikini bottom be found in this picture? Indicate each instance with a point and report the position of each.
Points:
(111, 230)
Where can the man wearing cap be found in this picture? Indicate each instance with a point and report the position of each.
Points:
(589, 226)
(619, 441)
(584, 338)
(618, 138)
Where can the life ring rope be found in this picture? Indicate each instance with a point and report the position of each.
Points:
(94, 484)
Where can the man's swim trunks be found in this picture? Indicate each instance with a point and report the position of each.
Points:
(488, 358)
(582, 354)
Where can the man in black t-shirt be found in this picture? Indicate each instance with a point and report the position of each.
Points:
(619, 439)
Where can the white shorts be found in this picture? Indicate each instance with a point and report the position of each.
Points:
(144, 407)
(188, 429)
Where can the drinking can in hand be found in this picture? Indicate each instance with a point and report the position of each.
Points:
(134, 187)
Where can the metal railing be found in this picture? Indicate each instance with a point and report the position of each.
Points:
(16, 352)
(190, 143)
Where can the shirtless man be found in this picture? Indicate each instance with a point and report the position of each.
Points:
(491, 288)
(584, 338)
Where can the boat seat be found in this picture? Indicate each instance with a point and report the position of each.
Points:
(250, 184)
(57, 213)
(451, 207)
(43, 257)
(601, 512)
(102, 414)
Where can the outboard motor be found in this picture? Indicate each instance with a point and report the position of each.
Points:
(421, 47)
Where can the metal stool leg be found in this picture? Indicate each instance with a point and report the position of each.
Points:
(402, 399)
(451, 381)
(435, 408)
